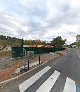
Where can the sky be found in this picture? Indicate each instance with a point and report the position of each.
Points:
(40, 19)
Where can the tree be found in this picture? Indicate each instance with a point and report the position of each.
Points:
(58, 41)
(77, 44)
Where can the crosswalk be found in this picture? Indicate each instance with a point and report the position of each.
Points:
(31, 80)
(39, 83)
(69, 86)
(47, 85)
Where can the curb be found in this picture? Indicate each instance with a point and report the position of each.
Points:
(21, 74)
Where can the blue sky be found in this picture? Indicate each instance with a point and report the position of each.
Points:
(40, 19)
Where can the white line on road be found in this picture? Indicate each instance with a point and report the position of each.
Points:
(77, 52)
(79, 55)
(70, 86)
(48, 84)
(23, 86)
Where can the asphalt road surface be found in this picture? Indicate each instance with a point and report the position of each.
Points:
(61, 75)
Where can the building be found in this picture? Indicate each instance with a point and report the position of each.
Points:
(78, 38)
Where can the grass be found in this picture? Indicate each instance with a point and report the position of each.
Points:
(5, 53)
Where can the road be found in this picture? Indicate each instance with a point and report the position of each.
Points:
(61, 75)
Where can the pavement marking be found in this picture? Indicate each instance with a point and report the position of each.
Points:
(23, 86)
(79, 55)
(48, 84)
(69, 86)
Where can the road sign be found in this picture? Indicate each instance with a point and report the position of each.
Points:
(30, 55)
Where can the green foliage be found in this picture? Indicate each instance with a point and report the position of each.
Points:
(77, 44)
(78, 36)
(11, 41)
(16, 42)
(58, 41)
(35, 42)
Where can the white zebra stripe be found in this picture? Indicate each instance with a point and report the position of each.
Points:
(48, 84)
(69, 86)
(23, 86)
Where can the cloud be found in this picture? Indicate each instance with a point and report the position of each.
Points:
(40, 19)
(11, 25)
(68, 32)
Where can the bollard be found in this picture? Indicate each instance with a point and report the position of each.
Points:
(28, 64)
(39, 59)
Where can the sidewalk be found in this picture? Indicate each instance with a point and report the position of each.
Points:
(15, 70)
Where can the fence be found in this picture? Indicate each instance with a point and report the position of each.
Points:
(19, 52)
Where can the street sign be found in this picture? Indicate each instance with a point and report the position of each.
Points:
(30, 55)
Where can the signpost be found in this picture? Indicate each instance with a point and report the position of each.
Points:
(30, 55)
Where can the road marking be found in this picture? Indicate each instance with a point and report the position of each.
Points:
(23, 86)
(48, 84)
(70, 86)
(79, 55)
